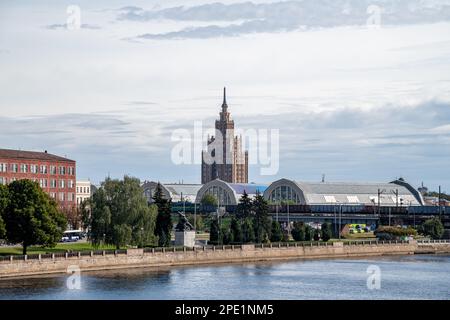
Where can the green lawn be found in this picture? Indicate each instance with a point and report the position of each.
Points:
(60, 247)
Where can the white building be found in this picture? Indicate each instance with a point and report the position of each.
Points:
(83, 191)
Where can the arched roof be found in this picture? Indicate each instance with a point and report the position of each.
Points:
(233, 190)
(349, 192)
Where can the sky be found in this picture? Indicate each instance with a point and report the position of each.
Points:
(359, 90)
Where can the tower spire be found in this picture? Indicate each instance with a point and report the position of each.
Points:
(224, 104)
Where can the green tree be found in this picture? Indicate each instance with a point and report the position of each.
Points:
(244, 207)
(248, 232)
(276, 234)
(316, 234)
(236, 230)
(433, 228)
(31, 216)
(309, 233)
(120, 215)
(4, 200)
(209, 200)
(261, 219)
(225, 235)
(299, 231)
(327, 232)
(214, 236)
(163, 221)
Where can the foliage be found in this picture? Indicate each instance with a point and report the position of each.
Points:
(4, 199)
(120, 215)
(236, 231)
(436, 194)
(244, 207)
(309, 233)
(261, 219)
(226, 236)
(248, 232)
(31, 216)
(276, 233)
(327, 231)
(163, 221)
(299, 232)
(214, 231)
(433, 228)
(197, 222)
(317, 235)
(209, 200)
(391, 233)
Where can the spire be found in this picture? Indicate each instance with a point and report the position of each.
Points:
(224, 104)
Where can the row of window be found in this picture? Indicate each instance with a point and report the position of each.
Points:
(62, 196)
(34, 168)
(45, 183)
(83, 189)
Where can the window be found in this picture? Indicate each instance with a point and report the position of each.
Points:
(23, 168)
(3, 167)
(87, 190)
(33, 168)
(71, 171)
(14, 168)
(3, 180)
(353, 199)
(70, 197)
(53, 195)
(53, 183)
(52, 169)
(43, 169)
(43, 183)
(70, 184)
(62, 183)
(62, 170)
(330, 199)
(62, 196)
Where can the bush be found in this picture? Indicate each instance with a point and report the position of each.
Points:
(393, 233)
(433, 228)
(326, 231)
(298, 232)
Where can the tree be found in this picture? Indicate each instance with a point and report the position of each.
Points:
(317, 234)
(4, 200)
(31, 216)
(120, 215)
(244, 207)
(262, 222)
(433, 228)
(236, 231)
(163, 227)
(276, 233)
(209, 200)
(327, 232)
(225, 235)
(214, 232)
(248, 232)
(309, 233)
(299, 232)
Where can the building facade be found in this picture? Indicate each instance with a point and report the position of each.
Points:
(224, 158)
(56, 175)
(83, 191)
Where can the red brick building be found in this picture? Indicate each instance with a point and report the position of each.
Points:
(56, 175)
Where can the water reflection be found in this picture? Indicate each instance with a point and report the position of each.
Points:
(403, 277)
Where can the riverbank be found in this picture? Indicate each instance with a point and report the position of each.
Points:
(24, 266)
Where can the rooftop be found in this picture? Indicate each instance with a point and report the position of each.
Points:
(31, 155)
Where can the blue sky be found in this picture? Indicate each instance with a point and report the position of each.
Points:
(351, 102)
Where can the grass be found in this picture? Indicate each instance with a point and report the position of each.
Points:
(60, 247)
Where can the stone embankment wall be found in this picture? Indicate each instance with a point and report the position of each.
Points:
(132, 258)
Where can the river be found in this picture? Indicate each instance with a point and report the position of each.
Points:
(401, 277)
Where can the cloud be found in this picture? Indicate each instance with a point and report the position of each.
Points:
(248, 17)
(64, 26)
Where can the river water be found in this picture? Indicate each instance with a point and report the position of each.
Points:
(400, 277)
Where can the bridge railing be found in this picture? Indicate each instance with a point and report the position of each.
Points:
(443, 241)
